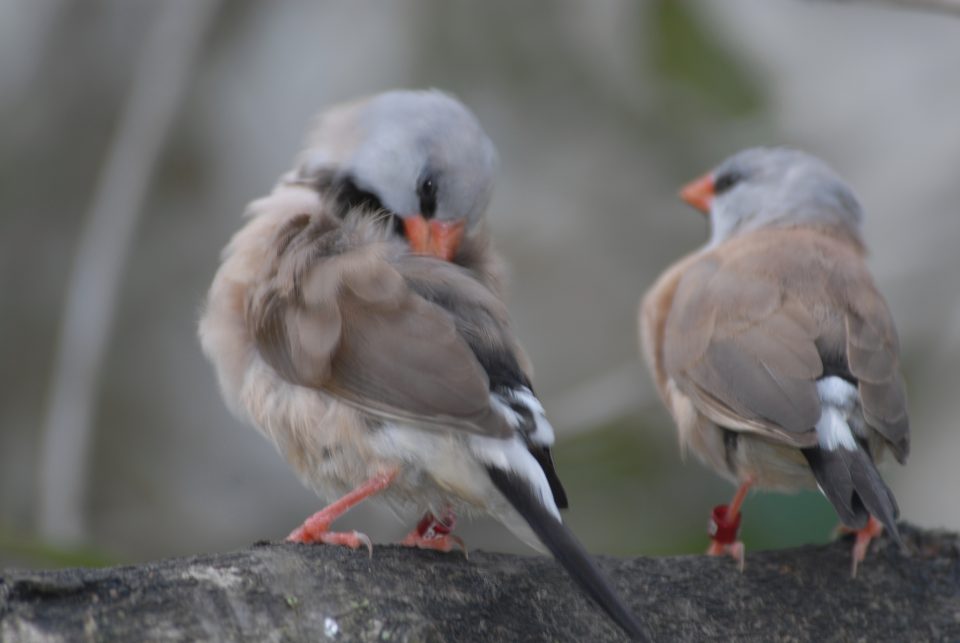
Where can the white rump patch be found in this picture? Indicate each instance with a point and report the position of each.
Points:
(513, 418)
(838, 392)
(526, 397)
(543, 431)
(839, 400)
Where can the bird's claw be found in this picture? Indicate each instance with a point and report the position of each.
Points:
(444, 543)
(434, 533)
(862, 543)
(735, 550)
(307, 534)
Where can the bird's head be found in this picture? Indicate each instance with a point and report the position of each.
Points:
(421, 156)
(764, 187)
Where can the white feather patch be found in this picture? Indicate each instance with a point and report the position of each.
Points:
(526, 397)
(838, 400)
(543, 434)
(513, 456)
(833, 432)
(543, 431)
(513, 418)
(837, 392)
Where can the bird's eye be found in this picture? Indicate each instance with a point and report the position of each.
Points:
(428, 187)
(726, 181)
(427, 192)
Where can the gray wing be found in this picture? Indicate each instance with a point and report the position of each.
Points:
(344, 321)
(873, 357)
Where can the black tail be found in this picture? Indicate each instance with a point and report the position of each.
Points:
(850, 481)
(566, 549)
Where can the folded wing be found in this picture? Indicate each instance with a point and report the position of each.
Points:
(337, 315)
(754, 324)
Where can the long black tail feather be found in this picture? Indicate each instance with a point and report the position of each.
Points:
(566, 549)
(850, 481)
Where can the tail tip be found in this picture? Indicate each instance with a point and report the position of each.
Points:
(894, 532)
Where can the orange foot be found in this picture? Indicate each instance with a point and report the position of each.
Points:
(316, 528)
(434, 533)
(316, 531)
(864, 536)
(735, 550)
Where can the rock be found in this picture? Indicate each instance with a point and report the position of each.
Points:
(284, 592)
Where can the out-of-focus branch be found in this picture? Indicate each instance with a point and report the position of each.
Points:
(24, 31)
(161, 76)
(945, 6)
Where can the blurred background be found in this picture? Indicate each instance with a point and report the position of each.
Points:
(136, 131)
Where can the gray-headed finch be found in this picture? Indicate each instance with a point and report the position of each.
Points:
(772, 348)
(357, 321)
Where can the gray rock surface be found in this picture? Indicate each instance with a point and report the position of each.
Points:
(283, 592)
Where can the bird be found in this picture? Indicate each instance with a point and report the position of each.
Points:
(357, 321)
(772, 348)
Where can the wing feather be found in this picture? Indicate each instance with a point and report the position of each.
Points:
(337, 315)
(755, 322)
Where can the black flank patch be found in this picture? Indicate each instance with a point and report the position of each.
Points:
(731, 439)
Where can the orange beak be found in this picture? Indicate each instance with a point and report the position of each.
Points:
(699, 193)
(434, 237)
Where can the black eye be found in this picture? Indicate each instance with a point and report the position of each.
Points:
(427, 192)
(726, 181)
(428, 187)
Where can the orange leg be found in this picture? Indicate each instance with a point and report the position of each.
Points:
(873, 529)
(315, 529)
(434, 533)
(725, 524)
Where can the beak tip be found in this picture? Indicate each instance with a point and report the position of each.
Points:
(434, 237)
(699, 193)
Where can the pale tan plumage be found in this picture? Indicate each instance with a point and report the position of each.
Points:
(284, 320)
(739, 333)
(771, 346)
(350, 324)
(379, 370)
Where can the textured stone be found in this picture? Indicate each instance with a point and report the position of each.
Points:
(283, 592)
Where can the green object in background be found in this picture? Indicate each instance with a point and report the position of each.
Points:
(625, 449)
(631, 494)
(687, 53)
(776, 520)
(18, 550)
